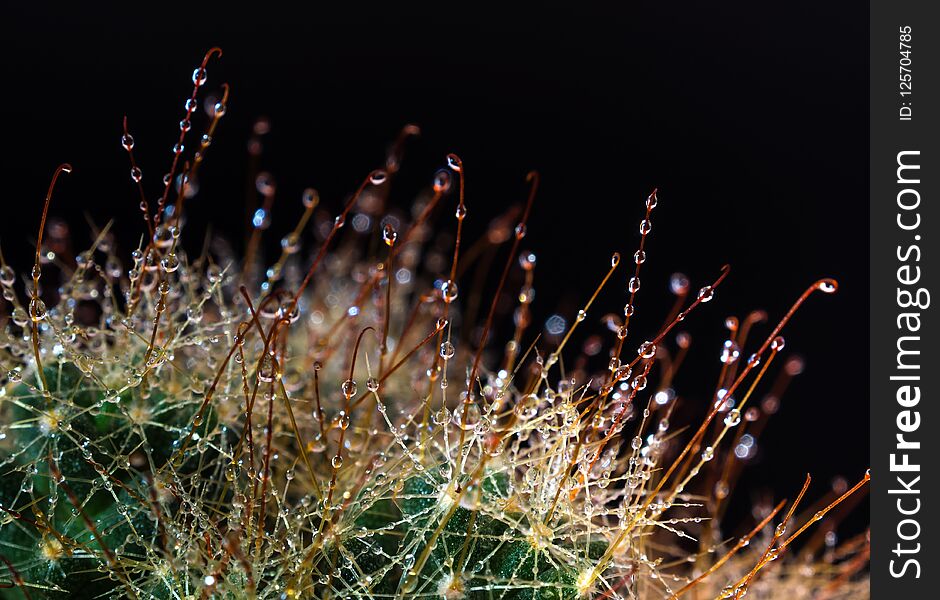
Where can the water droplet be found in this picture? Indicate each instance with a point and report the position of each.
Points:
(453, 161)
(730, 352)
(441, 181)
(467, 416)
(633, 285)
(442, 416)
(679, 284)
(214, 274)
(378, 177)
(161, 238)
(449, 291)
(127, 140)
(260, 219)
(218, 109)
(389, 235)
(7, 275)
(337, 461)
(372, 384)
(310, 198)
(639, 257)
(170, 263)
(266, 371)
(447, 350)
(706, 293)
(37, 310)
(349, 388)
(778, 344)
(733, 418)
(527, 406)
(722, 490)
(828, 286)
(708, 454)
(290, 243)
(645, 226)
(199, 77)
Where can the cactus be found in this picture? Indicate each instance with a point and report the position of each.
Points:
(182, 426)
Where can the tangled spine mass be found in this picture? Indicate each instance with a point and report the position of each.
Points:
(199, 426)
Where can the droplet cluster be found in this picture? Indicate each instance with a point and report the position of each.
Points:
(328, 423)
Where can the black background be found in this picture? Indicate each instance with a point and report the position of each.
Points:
(751, 120)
